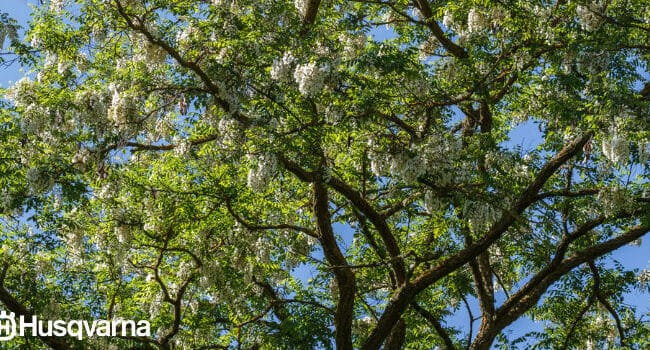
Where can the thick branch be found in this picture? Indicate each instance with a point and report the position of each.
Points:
(380, 224)
(13, 305)
(435, 29)
(345, 278)
(406, 295)
(512, 310)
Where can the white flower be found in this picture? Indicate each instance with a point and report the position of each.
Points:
(352, 44)
(121, 107)
(617, 150)
(476, 22)
(281, 68)
(428, 47)
(56, 5)
(589, 17)
(38, 180)
(81, 157)
(123, 234)
(301, 6)
(184, 37)
(644, 277)
(448, 19)
(612, 200)
(644, 152)
(183, 147)
(259, 176)
(310, 78)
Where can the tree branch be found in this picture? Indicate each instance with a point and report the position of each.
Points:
(406, 295)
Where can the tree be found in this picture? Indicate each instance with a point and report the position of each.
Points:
(320, 174)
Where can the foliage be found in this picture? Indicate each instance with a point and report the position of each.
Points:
(320, 174)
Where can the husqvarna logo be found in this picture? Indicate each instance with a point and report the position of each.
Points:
(7, 326)
(10, 327)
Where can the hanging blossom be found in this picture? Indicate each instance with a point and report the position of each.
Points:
(310, 78)
(81, 158)
(448, 19)
(613, 199)
(259, 176)
(476, 22)
(56, 5)
(617, 149)
(39, 180)
(644, 152)
(121, 107)
(433, 203)
(352, 44)
(589, 15)
(302, 7)
(184, 37)
(281, 67)
(182, 147)
(480, 216)
(644, 277)
(428, 48)
(22, 93)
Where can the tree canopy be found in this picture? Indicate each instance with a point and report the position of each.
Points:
(258, 174)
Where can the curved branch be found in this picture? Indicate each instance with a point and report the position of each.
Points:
(449, 344)
(404, 296)
(435, 29)
(605, 302)
(524, 300)
(13, 305)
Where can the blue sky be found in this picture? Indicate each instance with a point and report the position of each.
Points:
(526, 135)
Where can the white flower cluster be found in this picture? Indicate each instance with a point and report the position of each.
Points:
(81, 158)
(428, 47)
(182, 147)
(589, 15)
(230, 131)
(122, 105)
(74, 239)
(448, 20)
(434, 158)
(151, 54)
(612, 200)
(185, 36)
(476, 21)
(644, 153)
(479, 215)
(433, 203)
(22, 92)
(644, 277)
(301, 6)
(617, 149)
(310, 78)
(123, 234)
(352, 44)
(281, 67)
(56, 5)
(38, 180)
(259, 176)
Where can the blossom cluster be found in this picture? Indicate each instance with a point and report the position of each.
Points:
(259, 176)
(433, 157)
(302, 6)
(589, 15)
(121, 108)
(310, 78)
(352, 44)
(281, 68)
(476, 21)
(616, 149)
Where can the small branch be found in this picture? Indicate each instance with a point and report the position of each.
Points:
(449, 344)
